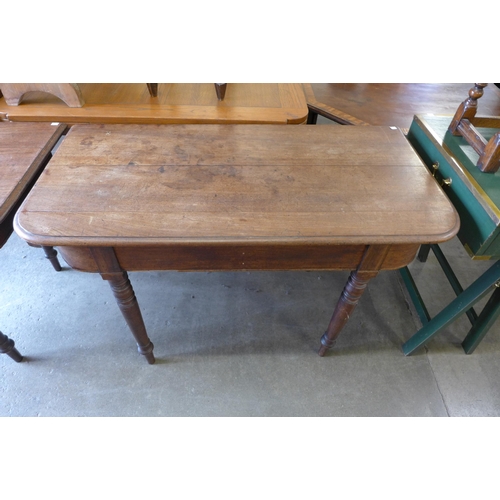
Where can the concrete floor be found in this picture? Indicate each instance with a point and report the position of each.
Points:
(235, 344)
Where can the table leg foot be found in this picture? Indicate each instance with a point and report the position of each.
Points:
(51, 254)
(7, 347)
(325, 344)
(147, 352)
(127, 302)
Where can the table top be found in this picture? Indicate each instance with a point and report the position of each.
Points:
(279, 103)
(396, 103)
(23, 148)
(169, 184)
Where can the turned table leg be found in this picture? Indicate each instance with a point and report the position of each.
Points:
(371, 262)
(51, 254)
(110, 270)
(7, 347)
(127, 302)
(356, 285)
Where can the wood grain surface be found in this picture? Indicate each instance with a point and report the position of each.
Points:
(158, 185)
(279, 103)
(23, 147)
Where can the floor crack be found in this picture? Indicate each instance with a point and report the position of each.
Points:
(436, 381)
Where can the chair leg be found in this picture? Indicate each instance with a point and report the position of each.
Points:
(7, 347)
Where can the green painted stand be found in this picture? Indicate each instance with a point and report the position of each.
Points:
(487, 282)
(476, 196)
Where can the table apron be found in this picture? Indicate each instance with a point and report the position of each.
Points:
(240, 257)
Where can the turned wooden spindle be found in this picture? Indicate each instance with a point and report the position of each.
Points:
(127, 302)
(464, 124)
(371, 262)
(467, 109)
(7, 347)
(356, 285)
(110, 270)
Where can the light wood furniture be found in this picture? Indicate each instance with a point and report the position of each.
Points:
(118, 198)
(25, 149)
(220, 90)
(464, 123)
(390, 103)
(280, 103)
(69, 93)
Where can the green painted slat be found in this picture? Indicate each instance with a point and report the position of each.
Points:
(452, 279)
(485, 321)
(414, 295)
(475, 292)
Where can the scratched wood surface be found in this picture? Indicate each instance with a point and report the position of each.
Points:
(24, 150)
(172, 184)
(23, 146)
(279, 103)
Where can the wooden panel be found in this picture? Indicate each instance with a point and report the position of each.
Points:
(176, 103)
(69, 93)
(238, 184)
(24, 147)
(220, 257)
(129, 145)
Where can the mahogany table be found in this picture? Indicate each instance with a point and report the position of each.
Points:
(280, 103)
(118, 198)
(25, 149)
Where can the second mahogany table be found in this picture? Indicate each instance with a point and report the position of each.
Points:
(118, 198)
(25, 149)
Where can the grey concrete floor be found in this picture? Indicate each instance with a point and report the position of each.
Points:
(235, 344)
